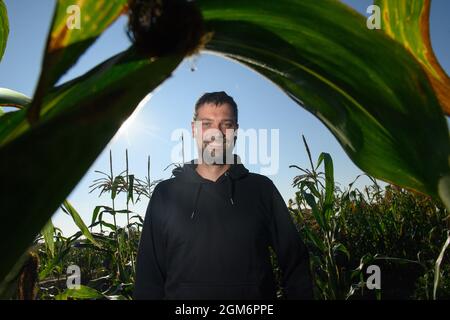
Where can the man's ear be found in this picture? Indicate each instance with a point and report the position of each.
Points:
(193, 129)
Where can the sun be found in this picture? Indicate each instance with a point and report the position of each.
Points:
(133, 127)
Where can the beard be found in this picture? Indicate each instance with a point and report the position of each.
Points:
(215, 154)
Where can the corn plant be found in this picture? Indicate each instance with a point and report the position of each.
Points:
(381, 93)
(106, 258)
(401, 231)
(347, 230)
(316, 191)
(122, 242)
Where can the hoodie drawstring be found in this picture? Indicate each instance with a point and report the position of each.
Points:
(230, 193)
(230, 187)
(196, 200)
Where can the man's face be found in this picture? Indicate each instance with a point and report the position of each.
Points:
(215, 132)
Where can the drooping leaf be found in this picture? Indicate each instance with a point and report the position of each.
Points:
(309, 198)
(54, 263)
(138, 217)
(408, 22)
(13, 98)
(115, 186)
(4, 28)
(78, 119)
(108, 225)
(367, 89)
(95, 214)
(80, 223)
(82, 293)
(72, 32)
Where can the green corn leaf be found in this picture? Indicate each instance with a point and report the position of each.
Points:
(80, 223)
(78, 118)
(55, 262)
(83, 293)
(312, 188)
(317, 241)
(95, 214)
(123, 211)
(13, 98)
(329, 177)
(4, 28)
(367, 89)
(48, 232)
(408, 22)
(309, 198)
(108, 225)
(66, 42)
(99, 214)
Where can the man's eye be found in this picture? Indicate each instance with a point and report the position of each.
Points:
(206, 124)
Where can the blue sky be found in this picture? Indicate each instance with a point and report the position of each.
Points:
(171, 105)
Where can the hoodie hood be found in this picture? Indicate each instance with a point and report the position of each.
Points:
(188, 174)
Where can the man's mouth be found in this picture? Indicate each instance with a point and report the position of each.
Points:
(215, 145)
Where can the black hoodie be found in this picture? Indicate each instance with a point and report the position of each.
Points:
(209, 240)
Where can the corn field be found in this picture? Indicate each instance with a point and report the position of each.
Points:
(345, 231)
(381, 93)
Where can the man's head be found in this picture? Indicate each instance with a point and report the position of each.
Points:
(214, 127)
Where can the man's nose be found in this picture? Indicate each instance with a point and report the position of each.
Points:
(220, 127)
(215, 126)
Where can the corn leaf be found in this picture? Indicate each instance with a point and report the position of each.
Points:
(4, 28)
(82, 293)
(13, 98)
(80, 223)
(367, 89)
(76, 25)
(47, 233)
(78, 119)
(408, 22)
(329, 177)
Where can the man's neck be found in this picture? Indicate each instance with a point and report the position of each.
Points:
(211, 172)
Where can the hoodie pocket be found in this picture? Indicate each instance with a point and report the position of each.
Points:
(218, 290)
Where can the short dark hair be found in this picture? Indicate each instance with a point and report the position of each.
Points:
(216, 98)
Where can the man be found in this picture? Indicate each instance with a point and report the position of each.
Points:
(207, 231)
